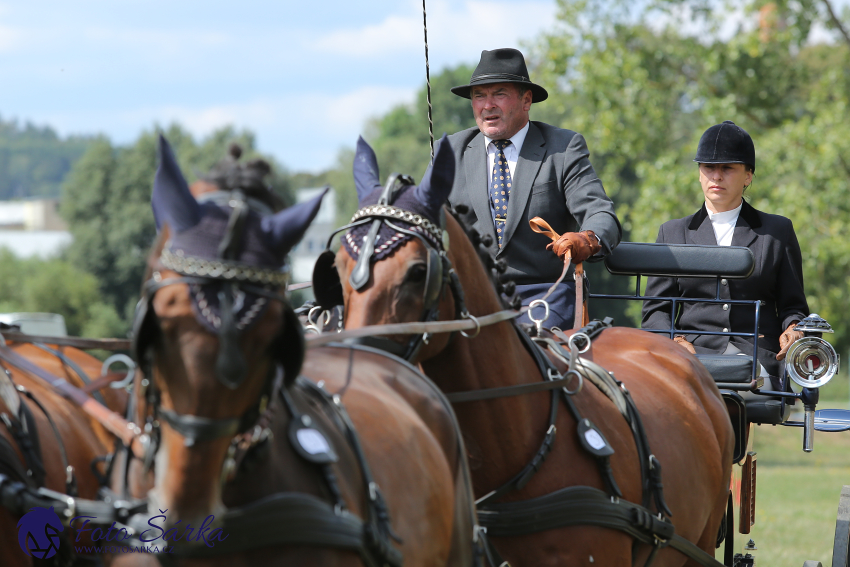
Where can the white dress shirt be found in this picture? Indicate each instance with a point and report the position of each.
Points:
(511, 152)
(724, 224)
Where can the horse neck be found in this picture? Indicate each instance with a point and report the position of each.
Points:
(496, 357)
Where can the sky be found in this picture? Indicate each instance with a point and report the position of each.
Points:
(303, 76)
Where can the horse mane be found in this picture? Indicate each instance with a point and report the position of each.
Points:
(493, 267)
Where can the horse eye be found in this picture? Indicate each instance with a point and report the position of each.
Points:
(416, 273)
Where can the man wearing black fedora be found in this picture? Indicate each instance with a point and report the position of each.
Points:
(511, 169)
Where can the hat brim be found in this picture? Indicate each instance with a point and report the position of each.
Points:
(721, 160)
(538, 93)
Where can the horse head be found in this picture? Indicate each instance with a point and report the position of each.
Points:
(402, 270)
(213, 330)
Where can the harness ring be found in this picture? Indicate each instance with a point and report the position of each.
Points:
(128, 362)
(573, 342)
(314, 325)
(578, 387)
(467, 315)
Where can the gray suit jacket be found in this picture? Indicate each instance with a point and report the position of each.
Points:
(554, 180)
(777, 280)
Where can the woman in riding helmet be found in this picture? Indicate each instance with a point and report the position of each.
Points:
(727, 162)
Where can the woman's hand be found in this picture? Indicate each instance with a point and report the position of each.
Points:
(787, 339)
(683, 342)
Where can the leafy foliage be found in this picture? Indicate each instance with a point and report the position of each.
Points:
(400, 138)
(106, 201)
(31, 285)
(643, 81)
(35, 160)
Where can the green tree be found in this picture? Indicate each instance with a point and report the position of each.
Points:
(34, 160)
(106, 201)
(56, 286)
(400, 138)
(642, 90)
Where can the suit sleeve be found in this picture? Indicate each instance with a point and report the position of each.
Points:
(585, 197)
(791, 301)
(656, 314)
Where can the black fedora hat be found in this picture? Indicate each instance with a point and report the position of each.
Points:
(502, 66)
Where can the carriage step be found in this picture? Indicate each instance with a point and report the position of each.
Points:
(827, 420)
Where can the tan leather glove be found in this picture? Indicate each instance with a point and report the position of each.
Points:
(787, 338)
(581, 245)
(683, 342)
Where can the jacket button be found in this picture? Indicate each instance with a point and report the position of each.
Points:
(725, 307)
(724, 282)
(725, 330)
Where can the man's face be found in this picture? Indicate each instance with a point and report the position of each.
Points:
(499, 110)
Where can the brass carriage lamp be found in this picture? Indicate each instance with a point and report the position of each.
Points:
(811, 362)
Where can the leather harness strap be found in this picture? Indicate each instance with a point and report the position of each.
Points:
(77, 342)
(584, 505)
(116, 424)
(582, 317)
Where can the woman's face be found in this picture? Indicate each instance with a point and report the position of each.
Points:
(723, 184)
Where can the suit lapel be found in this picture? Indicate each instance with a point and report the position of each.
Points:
(528, 164)
(700, 230)
(744, 234)
(475, 169)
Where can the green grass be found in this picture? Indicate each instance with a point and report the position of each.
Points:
(797, 494)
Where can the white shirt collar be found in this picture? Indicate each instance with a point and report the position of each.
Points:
(517, 139)
(724, 223)
(725, 216)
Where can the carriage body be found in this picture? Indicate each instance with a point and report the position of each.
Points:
(749, 399)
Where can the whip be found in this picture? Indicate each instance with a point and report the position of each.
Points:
(428, 80)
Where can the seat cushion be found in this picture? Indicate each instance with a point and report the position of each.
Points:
(726, 368)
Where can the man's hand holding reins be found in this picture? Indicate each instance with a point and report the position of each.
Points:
(579, 245)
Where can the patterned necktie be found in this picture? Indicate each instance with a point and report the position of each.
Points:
(500, 188)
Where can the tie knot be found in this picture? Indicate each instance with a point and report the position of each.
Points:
(501, 144)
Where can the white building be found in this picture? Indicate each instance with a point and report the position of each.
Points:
(303, 257)
(33, 228)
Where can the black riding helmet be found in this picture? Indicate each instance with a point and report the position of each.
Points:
(726, 143)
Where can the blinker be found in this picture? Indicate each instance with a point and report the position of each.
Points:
(592, 439)
(360, 274)
(310, 443)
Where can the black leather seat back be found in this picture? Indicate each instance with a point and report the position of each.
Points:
(680, 260)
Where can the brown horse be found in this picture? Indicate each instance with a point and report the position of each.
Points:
(227, 412)
(77, 440)
(684, 416)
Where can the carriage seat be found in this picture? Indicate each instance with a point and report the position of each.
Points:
(738, 369)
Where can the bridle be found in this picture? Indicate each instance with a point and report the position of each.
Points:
(327, 286)
(319, 523)
(233, 277)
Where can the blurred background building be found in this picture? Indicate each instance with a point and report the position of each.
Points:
(303, 256)
(33, 228)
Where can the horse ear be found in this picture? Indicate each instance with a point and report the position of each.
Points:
(366, 177)
(436, 184)
(171, 200)
(285, 228)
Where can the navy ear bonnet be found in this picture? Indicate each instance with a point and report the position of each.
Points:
(425, 200)
(203, 239)
(389, 240)
(258, 245)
